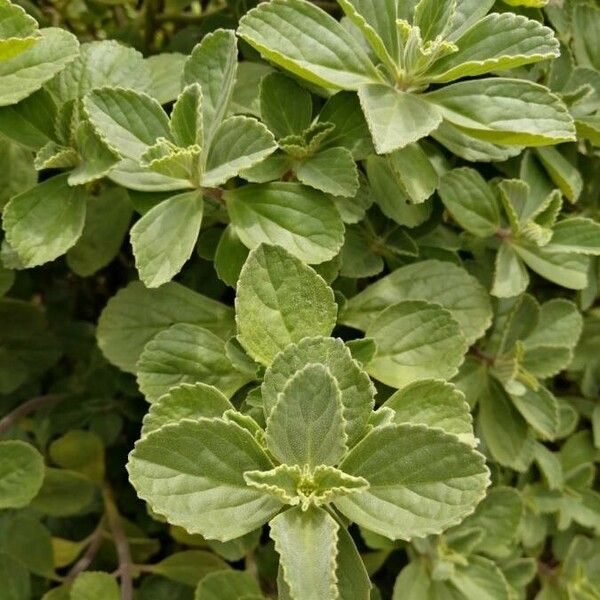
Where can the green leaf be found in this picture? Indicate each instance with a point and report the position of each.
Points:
(186, 353)
(169, 160)
(279, 302)
(567, 270)
(95, 586)
(107, 218)
(470, 201)
(586, 21)
(285, 107)
(126, 120)
(213, 64)
(390, 195)
(227, 585)
(415, 173)
(434, 18)
(192, 473)
(468, 12)
(101, 64)
(430, 280)
(80, 451)
(185, 401)
(395, 118)
(28, 541)
(436, 404)
(18, 31)
(415, 340)
(21, 473)
(287, 214)
(562, 172)
(510, 274)
(165, 75)
(186, 123)
(16, 584)
(498, 42)
(136, 314)
(17, 173)
(410, 494)
(165, 237)
(413, 583)
(27, 72)
(189, 566)
(230, 256)
(332, 171)
(64, 493)
(503, 430)
(306, 426)
(42, 223)
(302, 486)
(481, 578)
(498, 517)
(505, 111)
(356, 389)
(239, 143)
(540, 409)
(353, 579)
(577, 235)
(284, 32)
(306, 542)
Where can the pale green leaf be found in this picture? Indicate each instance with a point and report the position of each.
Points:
(186, 123)
(510, 274)
(356, 389)
(26, 72)
(434, 18)
(306, 426)
(562, 172)
(285, 107)
(165, 237)
(100, 64)
(421, 481)
(504, 431)
(567, 270)
(497, 42)
(586, 21)
(230, 256)
(192, 473)
(578, 235)
(136, 314)
(126, 120)
(396, 118)
(415, 340)
(415, 172)
(470, 201)
(107, 218)
(284, 32)
(239, 143)
(413, 583)
(213, 64)
(436, 404)
(433, 281)
(42, 223)
(185, 401)
(352, 576)
(540, 409)
(165, 75)
(186, 353)
(332, 171)
(279, 302)
(307, 545)
(505, 111)
(303, 220)
(21, 473)
(228, 585)
(559, 326)
(17, 173)
(481, 579)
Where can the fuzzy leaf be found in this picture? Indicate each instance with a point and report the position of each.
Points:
(298, 218)
(413, 494)
(186, 353)
(306, 426)
(284, 32)
(192, 473)
(164, 238)
(332, 171)
(279, 302)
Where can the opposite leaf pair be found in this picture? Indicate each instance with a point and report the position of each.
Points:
(405, 471)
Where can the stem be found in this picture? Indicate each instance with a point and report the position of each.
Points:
(95, 541)
(214, 193)
(12, 418)
(121, 544)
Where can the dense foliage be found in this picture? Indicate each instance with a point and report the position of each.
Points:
(299, 300)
